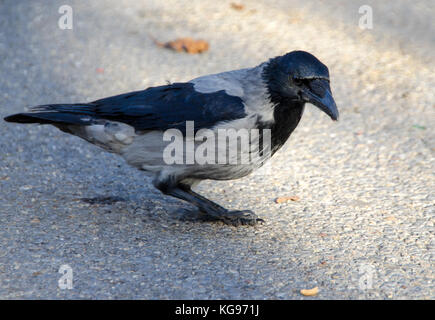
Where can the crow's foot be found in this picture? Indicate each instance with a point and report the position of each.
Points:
(240, 217)
(234, 218)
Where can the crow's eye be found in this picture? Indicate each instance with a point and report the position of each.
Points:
(298, 81)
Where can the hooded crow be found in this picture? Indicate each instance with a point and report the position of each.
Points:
(161, 130)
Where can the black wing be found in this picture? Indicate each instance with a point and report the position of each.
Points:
(156, 108)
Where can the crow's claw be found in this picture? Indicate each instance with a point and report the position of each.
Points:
(240, 217)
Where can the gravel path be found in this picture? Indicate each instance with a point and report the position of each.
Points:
(364, 224)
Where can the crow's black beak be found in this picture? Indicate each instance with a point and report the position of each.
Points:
(320, 95)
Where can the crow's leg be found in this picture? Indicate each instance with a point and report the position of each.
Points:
(209, 209)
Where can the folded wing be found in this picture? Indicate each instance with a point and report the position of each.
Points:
(156, 108)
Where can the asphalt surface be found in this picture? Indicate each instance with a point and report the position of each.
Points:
(363, 226)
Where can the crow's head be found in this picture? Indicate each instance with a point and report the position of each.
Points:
(300, 77)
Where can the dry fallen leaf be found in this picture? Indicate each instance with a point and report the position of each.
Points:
(188, 45)
(286, 199)
(390, 218)
(310, 292)
(35, 220)
(237, 6)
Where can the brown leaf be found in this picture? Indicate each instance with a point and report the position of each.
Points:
(188, 45)
(390, 218)
(237, 6)
(35, 220)
(310, 292)
(286, 199)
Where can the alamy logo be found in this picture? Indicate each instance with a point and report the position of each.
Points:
(366, 272)
(366, 19)
(222, 146)
(66, 280)
(66, 19)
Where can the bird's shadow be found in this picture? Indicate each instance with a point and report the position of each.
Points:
(103, 200)
(180, 213)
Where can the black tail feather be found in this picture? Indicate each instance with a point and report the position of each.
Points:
(50, 118)
(61, 114)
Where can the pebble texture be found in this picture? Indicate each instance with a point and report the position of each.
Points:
(363, 227)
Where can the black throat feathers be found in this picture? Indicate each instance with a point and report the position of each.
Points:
(287, 111)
